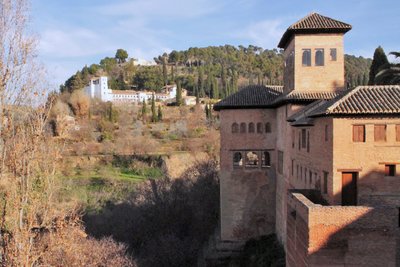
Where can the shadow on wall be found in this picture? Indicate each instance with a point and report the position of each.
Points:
(164, 223)
(365, 235)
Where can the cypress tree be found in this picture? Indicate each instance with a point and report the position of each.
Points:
(378, 62)
(153, 110)
(159, 115)
(144, 110)
(178, 94)
(215, 90)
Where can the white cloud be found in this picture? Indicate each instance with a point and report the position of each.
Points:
(265, 33)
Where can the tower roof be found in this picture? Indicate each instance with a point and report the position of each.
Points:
(314, 23)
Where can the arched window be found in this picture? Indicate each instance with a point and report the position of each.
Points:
(319, 57)
(267, 127)
(251, 127)
(306, 59)
(235, 127)
(251, 159)
(237, 159)
(243, 127)
(259, 127)
(265, 159)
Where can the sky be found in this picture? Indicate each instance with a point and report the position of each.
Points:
(75, 33)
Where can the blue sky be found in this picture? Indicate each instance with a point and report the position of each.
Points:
(76, 33)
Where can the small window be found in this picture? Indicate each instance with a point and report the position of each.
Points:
(380, 133)
(267, 127)
(259, 127)
(319, 57)
(308, 142)
(303, 138)
(326, 133)
(306, 59)
(397, 133)
(310, 177)
(325, 191)
(292, 167)
(265, 159)
(390, 170)
(333, 54)
(358, 133)
(237, 159)
(235, 128)
(280, 162)
(251, 127)
(243, 127)
(251, 159)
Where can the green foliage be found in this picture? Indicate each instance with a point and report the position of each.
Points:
(149, 78)
(179, 100)
(144, 110)
(265, 251)
(153, 110)
(356, 70)
(378, 62)
(121, 55)
(108, 63)
(159, 114)
(390, 73)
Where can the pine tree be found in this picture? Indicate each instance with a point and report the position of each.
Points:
(153, 110)
(159, 115)
(380, 60)
(178, 93)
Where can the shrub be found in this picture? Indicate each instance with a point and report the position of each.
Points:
(79, 103)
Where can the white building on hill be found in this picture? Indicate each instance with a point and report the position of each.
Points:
(98, 88)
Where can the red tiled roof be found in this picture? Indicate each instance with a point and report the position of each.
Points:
(374, 99)
(314, 23)
(304, 97)
(253, 96)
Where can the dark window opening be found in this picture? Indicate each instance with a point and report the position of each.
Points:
(303, 138)
(308, 141)
(237, 159)
(280, 162)
(265, 159)
(326, 133)
(319, 57)
(251, 127)
(267, 127)
(306, 59)
(235, 128)
(251, 159)
(325, 191)
(390, 170)
(243, 127)
(333, 54)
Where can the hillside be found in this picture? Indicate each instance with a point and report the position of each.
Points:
(214, 71)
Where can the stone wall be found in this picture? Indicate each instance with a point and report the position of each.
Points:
(340, 236)
(247, 193)
(329, 77)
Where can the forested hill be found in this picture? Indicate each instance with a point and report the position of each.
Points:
(214, 71)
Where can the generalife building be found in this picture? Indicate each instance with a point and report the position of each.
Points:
(98, 88)
(312, 161)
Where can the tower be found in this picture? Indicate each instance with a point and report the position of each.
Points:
(314, 56)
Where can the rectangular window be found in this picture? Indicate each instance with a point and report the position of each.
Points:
(292, 167)
(390, 170)
(326, 133)
(306, 57)
(303, 138)
(280, 162)
(310, 178)
(358, 133)
(380, 133)
(308, 142)
(333, 54)
(319, 57)
(397, 133)
(325, 191)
